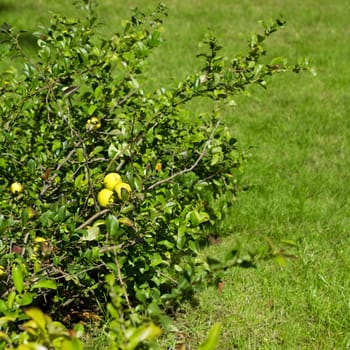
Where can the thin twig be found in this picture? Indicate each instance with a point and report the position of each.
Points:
(65, 274)
(201, 155)
(107, 249)
(47, 186)
(124, 99)
(121, 281)
(169, 278)
(92, 218)
(87, 168)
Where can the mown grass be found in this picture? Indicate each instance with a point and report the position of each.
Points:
(298, 174)
(300, 132)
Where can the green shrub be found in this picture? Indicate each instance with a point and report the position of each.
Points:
(78, 111)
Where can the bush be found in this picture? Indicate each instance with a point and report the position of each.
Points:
(78, 111)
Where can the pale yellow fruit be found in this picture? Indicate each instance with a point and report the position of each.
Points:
(159, 166)
(123, 190)
(39, 239)
(2, 271)
(41, 245)
(16, 188)
(105, 197)
(93, 123)
(111, 180)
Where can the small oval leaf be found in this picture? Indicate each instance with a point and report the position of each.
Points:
(17, 277)
(212, 340)
(112, 225)
(44, 284)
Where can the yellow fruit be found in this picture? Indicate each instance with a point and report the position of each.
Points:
(105, 197)
(41, 244)
(16, 188)
(111, 180)
(93, 124)
(2, 271)
(39, 239)
(123, 190)
(159, 166)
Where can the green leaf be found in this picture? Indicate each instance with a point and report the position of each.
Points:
(95, 151)
(197, 82)
(217, 79)
(27, 299)
(5, 337)
(112, 311)
(31, 166)
(181, 236)
(72, 344)
(80, 154)
(112, 150)
(156, 259)
(37, 316)
(80, 181)
(56, 145)
(212, 340)
(289, 242)
(3, 307)
(4, 223)
(47, 218)
(98, 92)
(193, 246)
(61, 213)
(6, 319)
(17, 277)
(112, 225)
(45, 284)
(11, 299)
(198, 218)
(92, 233)
(92, 109)
(134, 83)
(141, 334)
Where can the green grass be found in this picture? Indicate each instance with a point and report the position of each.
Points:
(299, 170)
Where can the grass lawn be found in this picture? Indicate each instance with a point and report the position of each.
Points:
(299, 177)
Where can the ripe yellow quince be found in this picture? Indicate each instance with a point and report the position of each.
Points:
(111, 180)
(159, 166)
(2, 271)
(105, 197)
(16, 188)
(93, 123)
(123, 190)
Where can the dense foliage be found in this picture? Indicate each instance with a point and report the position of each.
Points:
(78, 111)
